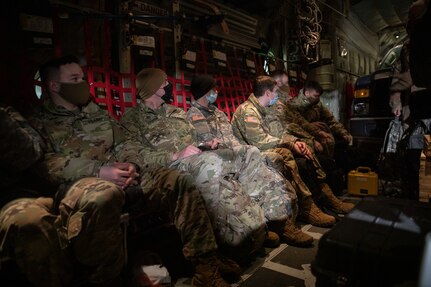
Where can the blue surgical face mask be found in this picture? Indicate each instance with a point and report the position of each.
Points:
(274, 100)
(212, 97)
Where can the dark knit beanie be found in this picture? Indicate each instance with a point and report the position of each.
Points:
(148, 81)
(201, 85)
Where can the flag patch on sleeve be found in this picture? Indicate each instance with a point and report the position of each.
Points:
(198, 118)
(251, 120)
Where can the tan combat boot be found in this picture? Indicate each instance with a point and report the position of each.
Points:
(289, 233)
(310, 213)
(272, 240)
(207, 272)
(329, 200)
(294, 236)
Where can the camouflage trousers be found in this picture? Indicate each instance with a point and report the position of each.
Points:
(174, 192)
(283, 160)
(224, 178)
(87, 233)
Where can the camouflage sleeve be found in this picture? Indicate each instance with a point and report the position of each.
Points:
(60, 168)
(291, 127)
(336, 127)
(248, 124)
(21, 146)
(278, 129)
(226, 129)
(298, 132)
(133, 151)
(294, 116)
(132, 145)
(199, 122)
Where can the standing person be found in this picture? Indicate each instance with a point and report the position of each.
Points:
(420, 99)
(210, 123)
(411, 94)
(44, 244)
(316, 119)
(87, 142)
(252, 124)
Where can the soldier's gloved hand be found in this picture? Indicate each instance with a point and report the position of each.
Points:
(121, 174)
(301, 148)
(317, 146)
(188, 151)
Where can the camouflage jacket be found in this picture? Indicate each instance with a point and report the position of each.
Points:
(210, 123)
(305, 114)
(284, 94)
(253, 124)
(82, 141)
(165, 130)
(285, 117)
(21, 148)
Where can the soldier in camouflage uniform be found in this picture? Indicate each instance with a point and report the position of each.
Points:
(42, 242)
(280, 109)
(210, 123)
(253, 124)
(282, 80)
(224, 174)
(85, 141)
(308, 111)
(285, 116)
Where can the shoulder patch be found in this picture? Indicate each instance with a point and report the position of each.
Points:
(197, 118)
(251, 120)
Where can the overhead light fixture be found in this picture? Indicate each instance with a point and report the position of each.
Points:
(397, 35)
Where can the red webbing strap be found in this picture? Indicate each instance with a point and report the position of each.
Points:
(98, 85)
(127, 90)
(238, 92)
(90, 80)
(173, 81)
(118, 95)
(132, 78)
(106, 67)
(184, 92)
(223, 102)
(182, 97)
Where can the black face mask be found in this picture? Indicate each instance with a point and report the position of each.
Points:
(168, 97)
